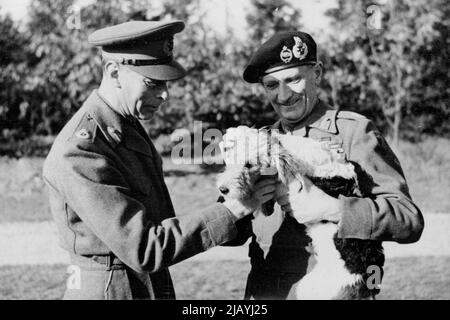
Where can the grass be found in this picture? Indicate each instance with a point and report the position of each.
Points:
(427, 169)
(405, 278)
(417, 278)
(23, 199)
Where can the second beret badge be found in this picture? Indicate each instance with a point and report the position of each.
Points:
(299, 51)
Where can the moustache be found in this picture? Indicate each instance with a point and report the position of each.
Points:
(292, 101)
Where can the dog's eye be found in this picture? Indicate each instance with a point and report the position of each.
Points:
(247, 165)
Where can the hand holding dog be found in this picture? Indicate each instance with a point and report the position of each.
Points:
(310, 204)
(264, 190)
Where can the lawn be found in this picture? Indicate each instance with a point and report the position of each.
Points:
(23, 198)
(426, 278)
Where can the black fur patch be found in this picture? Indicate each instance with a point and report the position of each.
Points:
(356, 292)
(335, 186)
(357, 254)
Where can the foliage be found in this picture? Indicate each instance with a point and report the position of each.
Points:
(395, 73)
(397, 76)
(68, 68)
(14, 61)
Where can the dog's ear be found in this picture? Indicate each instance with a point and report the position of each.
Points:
(247, 180)
(287, 166)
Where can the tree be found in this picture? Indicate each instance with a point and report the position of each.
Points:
(15, 58)
(62, 68)
(376, 71)
(68, 68)
(271, 16)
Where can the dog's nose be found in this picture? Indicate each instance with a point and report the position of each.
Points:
(224, 189)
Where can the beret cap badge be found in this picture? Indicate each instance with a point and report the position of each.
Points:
(300, 49)
(286, 55)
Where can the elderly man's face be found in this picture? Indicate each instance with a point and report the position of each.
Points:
(292, 91)
(141, 96)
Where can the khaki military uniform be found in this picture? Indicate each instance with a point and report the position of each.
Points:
(385, 211)
(113, 212)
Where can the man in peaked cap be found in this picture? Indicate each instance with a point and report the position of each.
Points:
(286, 66)
(107, 193)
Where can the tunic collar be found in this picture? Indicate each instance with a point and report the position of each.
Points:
(116, 128)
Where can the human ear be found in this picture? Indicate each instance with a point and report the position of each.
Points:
(318, 70)
(112, 72)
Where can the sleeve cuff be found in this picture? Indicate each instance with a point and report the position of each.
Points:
(220, 226)
(356, 221)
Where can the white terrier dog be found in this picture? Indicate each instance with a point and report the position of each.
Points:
(342, 264)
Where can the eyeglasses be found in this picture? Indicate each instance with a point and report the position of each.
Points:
(151, 83)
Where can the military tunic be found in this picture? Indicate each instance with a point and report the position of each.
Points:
(384, 211)
(113, 212)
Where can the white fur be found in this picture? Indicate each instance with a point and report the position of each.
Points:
(329, 275)
(294, 158)
(319, 161)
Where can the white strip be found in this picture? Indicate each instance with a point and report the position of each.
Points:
(37, 243)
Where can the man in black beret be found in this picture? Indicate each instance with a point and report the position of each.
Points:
(107, 193)
(286, 66)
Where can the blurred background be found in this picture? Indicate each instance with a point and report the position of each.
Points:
(388, 60)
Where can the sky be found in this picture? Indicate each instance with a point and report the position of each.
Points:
(313, 17)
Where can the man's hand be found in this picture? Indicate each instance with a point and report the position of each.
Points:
(310, 204)
(264, 190)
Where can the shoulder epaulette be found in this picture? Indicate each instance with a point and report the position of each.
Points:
(86, 129)
(349, 115)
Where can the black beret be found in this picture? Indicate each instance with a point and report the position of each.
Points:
(144, 46)
(283, 50)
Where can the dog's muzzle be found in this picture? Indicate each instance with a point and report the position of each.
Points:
(224, 190)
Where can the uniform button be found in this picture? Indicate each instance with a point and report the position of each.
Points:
(83, 134)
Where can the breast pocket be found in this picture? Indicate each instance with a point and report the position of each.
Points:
(335, 145)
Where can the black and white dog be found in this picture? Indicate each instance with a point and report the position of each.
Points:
(341, 271)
